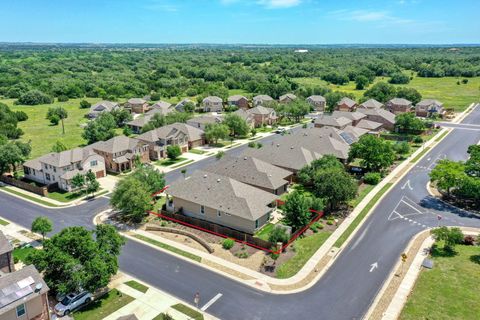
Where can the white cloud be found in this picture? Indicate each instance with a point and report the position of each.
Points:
(368, 16)
(279, 3)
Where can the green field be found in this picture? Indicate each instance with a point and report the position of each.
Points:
(449, 290)
(444, 89)
(43, 135)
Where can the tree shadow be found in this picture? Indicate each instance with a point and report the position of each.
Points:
(475, 258)
(442, 252)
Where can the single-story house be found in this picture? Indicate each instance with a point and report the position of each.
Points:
(254, 172)
(221, 200)
(100, 107)
(332, 121)
(346, 104)
(369, 125)
(371, 104)
(385, 117)
(317, 102)
(398, 105)
(212, 104)
(201, 122)
(287, 98)
(262, 99)
(354, 116)
(429, 107)
(238, 101)
(137, 105)
(61, 167)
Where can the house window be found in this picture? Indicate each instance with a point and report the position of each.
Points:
(202, 209)
(53, 178)
(93, 163)
(47, 176)
(21, 311)
(219, 213)
(256, 224)
(54, 169)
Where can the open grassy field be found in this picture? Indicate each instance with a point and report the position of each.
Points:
(449, 290)
(43, 135)
(444, 89)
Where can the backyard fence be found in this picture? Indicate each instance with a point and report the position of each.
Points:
(42, 191)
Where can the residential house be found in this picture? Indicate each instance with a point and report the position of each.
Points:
(287, 98)
(23, 295)
(138, 123)
(238, 101)
(261, 100)
(180, 107)
(429, 107)
(247, 116)
(121, 153)
(398, 105)
(348, 135)
(354, 116)
(202, 121)
(6, 257)
(386, 118)
(332, 121)
(180, 134)
(371, 104)
(161, 107)
(221, 200)
(100, 107)
(263, 116)
(369, 125)
(346, 104)
(137, 105)
(254, 172)
(317, 102)
(60, 167)
(212, 104)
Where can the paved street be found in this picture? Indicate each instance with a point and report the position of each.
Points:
(344, 292)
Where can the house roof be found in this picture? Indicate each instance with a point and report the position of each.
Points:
(179, 106)
(136, 101)
(429, 103)
(262, 98)
(251, 171)
(5, 245)
(290, 96)
(348, 135)
(260, 110)
(247, 116)
(213, 99)
(61, 159)
(20, 286)
(116, 144)
(236, 97)
(162, 105)
(347, 101)
(141, 121)
(385, 114)
(368, 124)
(330, 120)
(206, 119)
(103, 106)
(172, 131)
(371, 104)
(316, 99)
(400, 102)
(354, 116)
(224, 194)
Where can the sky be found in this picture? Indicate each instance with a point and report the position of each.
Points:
(241, 21)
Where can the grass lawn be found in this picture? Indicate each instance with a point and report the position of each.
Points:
(169, 248)
(191, 313)
(22, 253)
(104, 306)
(232, 145)
(444, 89)
(197, 151)
(421, 154)
(26, 196)
(264, 233)
(304, 247)
(182, 164)
(449, 290)
(4, 223)
(361, 195)
(361, 216)
(264, 129)
(42, 135)
(64, 196)
(168, 162)
(441, 136)
(137, 286)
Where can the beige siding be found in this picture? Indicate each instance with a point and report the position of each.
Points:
(34, 307)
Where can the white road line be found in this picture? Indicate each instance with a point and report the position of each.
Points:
(209, 303)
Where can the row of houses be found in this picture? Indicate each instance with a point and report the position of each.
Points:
(116, 155)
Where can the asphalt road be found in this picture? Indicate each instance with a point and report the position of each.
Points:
(344, 292)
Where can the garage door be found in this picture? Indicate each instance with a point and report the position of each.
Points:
(100, 174)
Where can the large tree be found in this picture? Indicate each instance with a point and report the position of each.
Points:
(408, 122)
(335, 186)
(307, 173)
(100, 129)
(216, 131)
(375, 153)
(238, 126)
(77, 259)
(297, 210)
(152, 178)
(57, 114)
(42, 225)
(12, 153)
(447, 174)
(132, 198)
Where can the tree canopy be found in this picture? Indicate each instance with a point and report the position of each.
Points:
(375, 154)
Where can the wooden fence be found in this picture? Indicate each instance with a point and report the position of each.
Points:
(217, 229)
(42, 191)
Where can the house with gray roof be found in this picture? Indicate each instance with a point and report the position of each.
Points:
(6, 256)
(202, 121)
(137, 105)
(348, 135)
(100, 107)
(263, 116)
(262, 99)
(60, 167)
(247, 116)
(398, 105)
(239, 101)
(212, 104)
(353, 115)
(287, 98)
(317, 102)
(429, 107)
(369, 125)
(371, 104)
(332, 121)
(121, 153)
(346, 104)
(221, 200)
(254, 172)
(24, 295)
(180, 107)
(385, 117)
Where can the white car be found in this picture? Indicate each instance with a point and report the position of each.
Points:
(71, 302)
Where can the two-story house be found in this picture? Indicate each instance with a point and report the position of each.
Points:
(212, 104)
(6, 256)
(429, 107)
(318, 103)
(287, 98)
(100, 107)
(263, 116)
(262, 100)
(61, 167)
(346, 104)
(238, 101)
(201, 122)
(398, 105)
(137, 105)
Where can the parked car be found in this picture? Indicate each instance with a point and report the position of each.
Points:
(281, 131)
(71, 302)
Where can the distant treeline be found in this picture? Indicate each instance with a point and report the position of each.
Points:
(117, 73)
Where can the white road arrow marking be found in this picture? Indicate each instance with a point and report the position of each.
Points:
(209, 303)
(407, 184)
(373, 266)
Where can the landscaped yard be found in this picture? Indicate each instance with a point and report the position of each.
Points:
(169, 247)
(191, 313)
(169, 162)
(3, 222)
(104, 306)
(137, 286)
(22, 253)
(43, 135)
(64, 196)
(449, 290)
(197, 151)
(264, 233)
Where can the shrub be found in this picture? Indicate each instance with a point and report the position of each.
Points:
(330, 222)
(173, 152)
(62, 99)
(34, 97)
(469, 240)
(84, 104)
(242, 254)
(15, 260)
(278, 234)
(21, 116)
(418, 139)
(401, 147)
(252, 145)
(372, 178)
(228, 244)
(316, 226)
